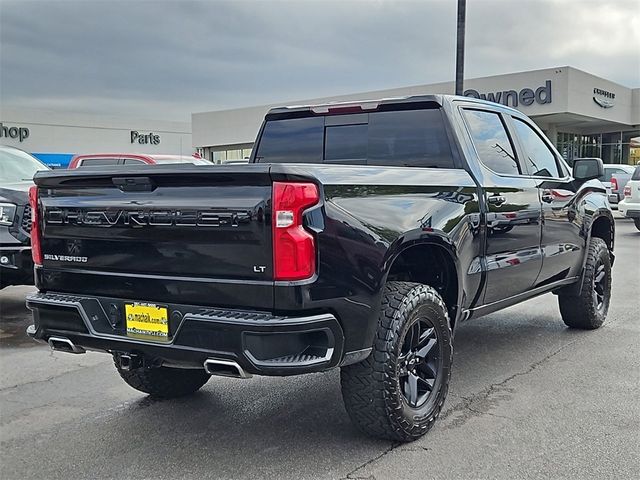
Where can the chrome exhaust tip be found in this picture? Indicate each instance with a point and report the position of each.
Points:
(224, 368)
(62, 344)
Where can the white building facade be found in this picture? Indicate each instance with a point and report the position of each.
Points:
(55, 137)
(583, 115)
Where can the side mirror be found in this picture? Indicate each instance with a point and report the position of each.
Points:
(587, 169)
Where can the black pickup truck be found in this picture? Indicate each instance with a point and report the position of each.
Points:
(359, 236)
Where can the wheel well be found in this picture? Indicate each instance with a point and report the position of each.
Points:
(601, 228)
(431, 265)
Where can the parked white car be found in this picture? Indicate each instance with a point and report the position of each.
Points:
(630, 205)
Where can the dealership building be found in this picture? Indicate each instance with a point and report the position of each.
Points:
(55, 137)
(583, 115)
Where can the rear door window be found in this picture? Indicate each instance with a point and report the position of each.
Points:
(394, 138)
(492, 142)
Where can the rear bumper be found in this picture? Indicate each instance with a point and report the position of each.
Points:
(261, 343)
(629, 210)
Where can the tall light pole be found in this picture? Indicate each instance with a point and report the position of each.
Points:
(462, 7)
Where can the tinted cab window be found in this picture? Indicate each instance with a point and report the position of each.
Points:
(292, 140)
(414, 138)
(538, 157)
(394, 138)
(492, 143)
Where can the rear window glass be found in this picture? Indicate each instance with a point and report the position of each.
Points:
(610, 172)
(345, 142)
(636, 174)
(415, 138)
(395, 138)
(293, 140)
(97, 162)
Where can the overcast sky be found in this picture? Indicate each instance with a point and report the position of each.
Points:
(166, 59)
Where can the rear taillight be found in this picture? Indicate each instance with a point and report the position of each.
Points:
(627, 190)
(614, 184)
(294, 248)
(36, 249)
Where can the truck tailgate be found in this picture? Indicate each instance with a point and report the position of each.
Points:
(193, 222)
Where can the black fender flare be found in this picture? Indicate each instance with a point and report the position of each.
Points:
(601, 213)
(576, 288)
(416, 238)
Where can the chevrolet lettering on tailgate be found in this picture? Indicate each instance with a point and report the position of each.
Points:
(141, 218)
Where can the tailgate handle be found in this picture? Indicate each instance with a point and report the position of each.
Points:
(134, 184)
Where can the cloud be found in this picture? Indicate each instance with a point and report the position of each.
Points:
(166, 59)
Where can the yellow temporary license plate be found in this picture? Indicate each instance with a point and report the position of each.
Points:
(147, 321)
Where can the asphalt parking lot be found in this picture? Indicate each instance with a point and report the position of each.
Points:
(529, 399)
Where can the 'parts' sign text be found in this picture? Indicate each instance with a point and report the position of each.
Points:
(145, 138)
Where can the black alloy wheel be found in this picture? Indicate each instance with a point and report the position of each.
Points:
(419, 363)
(600, 285)
(587, 308)
(397, 392)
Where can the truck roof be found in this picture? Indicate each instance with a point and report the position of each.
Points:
(354, 106)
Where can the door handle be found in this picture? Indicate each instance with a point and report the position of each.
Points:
(496, 200)
(547, 196)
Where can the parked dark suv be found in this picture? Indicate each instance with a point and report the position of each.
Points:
(16, 176)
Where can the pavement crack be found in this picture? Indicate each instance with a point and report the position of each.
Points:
(466, 405)
(350, 475)
(479, 412)
(18, 385)
(483, 395)
(47, 379)
(531, 368)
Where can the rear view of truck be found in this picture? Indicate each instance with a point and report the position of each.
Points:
(151, 265)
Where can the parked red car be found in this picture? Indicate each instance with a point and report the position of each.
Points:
(102, 159)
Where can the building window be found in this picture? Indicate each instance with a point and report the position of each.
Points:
(239, 154)
(219, 157)
(611, 147)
